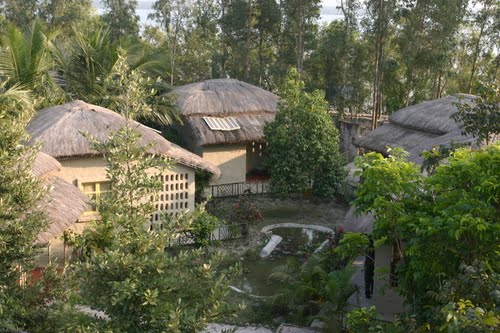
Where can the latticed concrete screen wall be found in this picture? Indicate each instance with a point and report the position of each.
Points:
(176, 195)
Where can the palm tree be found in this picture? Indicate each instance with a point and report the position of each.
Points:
(89, 64)
(25, 60)
(15, 98)
(310, 291)
(85, 64)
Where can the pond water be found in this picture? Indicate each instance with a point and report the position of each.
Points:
(297, 242)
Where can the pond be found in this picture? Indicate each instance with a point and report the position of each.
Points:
(297, 243)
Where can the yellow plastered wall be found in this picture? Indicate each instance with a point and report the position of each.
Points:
(55, 251)
(176, 195)
(231, 159)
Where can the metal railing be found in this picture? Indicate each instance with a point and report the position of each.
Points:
(237, 189)
(221, 233)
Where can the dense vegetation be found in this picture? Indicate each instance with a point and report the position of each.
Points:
(445, 229)
(380, 57)
(302, 158)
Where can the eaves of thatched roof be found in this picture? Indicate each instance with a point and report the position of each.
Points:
(251, 130)
(358, 223)
(63, 205)
(44, 164)
(59, 130)
(419, 127)
(251, 106)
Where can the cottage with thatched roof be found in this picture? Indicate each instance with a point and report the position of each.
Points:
(59, 130)
(224, 121)
(419, 127)
(415, 129)
(63, 205)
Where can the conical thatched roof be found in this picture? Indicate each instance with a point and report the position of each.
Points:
(44, 164)
(64, 202)
(419, 127)
(63, 205)
(60, 128)
(251, 106)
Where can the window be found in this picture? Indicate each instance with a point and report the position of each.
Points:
(96, 191)
(222, 124)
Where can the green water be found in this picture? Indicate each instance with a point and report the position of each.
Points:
(297, 242)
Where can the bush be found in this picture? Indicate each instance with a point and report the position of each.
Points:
(202, 228)
(246, 212)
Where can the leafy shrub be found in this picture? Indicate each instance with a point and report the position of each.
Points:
(202, 228)
(361, 320)
(246, 212)
(365, 320)
(198, 224)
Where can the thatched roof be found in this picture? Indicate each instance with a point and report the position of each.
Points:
(358, 223)
(252, 107)
(64, 202)
(63, 205)
(44, 164)
(419, 127)
(59, 130)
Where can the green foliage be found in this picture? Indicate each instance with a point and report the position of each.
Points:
(20, 218)
(436, 155)
(136, 280)
(65, 15)
(197, 224)
(352, 245)
(362, 320)
(366, 320)
(121, 18)
(25, 60)
(446, 220)
(91, 62)
(301, 158)
(313, 289)
(481, 119)
(201, 180)
(245, 211)
(338, 66)
(472, 285)
(389, 187)
(464, 316)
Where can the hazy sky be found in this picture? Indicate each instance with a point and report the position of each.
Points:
(328, 13)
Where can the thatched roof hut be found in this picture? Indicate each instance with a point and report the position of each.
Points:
(59, 129)
(63, 204)
(251, 106)
(419, 127)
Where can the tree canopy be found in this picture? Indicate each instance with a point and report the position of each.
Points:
(303, 143)
(448, 222)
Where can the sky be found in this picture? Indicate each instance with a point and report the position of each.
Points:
(328, 12)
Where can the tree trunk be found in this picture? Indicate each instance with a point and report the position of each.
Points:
(300, 36)
(476, 56)
(246, 55)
